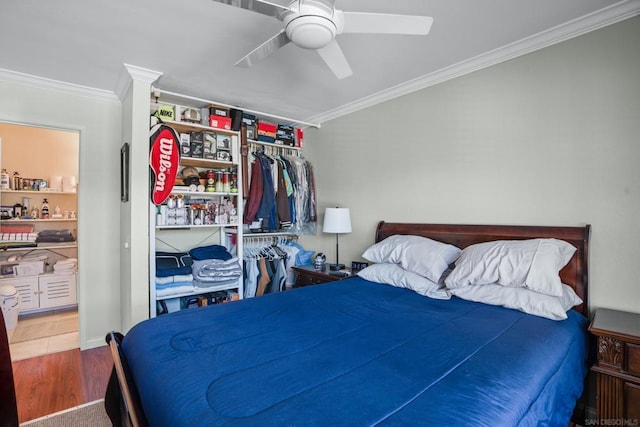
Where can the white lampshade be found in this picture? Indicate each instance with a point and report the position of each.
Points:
(337, 220)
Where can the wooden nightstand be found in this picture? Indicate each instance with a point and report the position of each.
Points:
(308, 275)
(618, 366)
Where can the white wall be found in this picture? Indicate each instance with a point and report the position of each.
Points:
(98, 122)
(550, 138)
(134, 214)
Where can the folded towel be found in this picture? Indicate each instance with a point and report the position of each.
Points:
(175, 291)
(183, 278)
(174, 285)
(210, 252)
(164, 280)
(54, 236)
(199, 284)
(187, 278)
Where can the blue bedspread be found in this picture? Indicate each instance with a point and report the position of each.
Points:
(357, 353)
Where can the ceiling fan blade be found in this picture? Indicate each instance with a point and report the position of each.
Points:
(384, 23)
(259, 6)
(264, 50)
(335, 59)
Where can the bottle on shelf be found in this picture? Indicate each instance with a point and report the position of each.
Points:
(4, 180)
(17, 181)
(45, 209)
(25, 206)
(234, 182)
(226, 185)
(211, 181)
(219, 185)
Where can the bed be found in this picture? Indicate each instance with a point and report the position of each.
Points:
(356, 352)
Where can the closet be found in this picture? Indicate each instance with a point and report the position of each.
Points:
(38, 236)
(242, 195)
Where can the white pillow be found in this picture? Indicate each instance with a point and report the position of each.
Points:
(554, 308)
(533, 264)
(420, 255)
(394, 275)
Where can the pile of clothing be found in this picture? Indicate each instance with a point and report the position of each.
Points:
(202, 267)
(213, 266)
(66, 266)
(24, 236)
(55, 236)
(173, 273)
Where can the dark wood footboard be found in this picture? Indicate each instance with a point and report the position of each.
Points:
(122, 402)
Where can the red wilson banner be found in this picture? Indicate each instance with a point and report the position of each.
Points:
(164, 160)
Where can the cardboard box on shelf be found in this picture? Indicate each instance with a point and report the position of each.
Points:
(248, 119)
(197, 144)
(209, 146)
(216, 110)
(285, 135)
(220, 122)
(223, 155)
(166, 112)
(223, 142)
(267, 131)
(299, 137)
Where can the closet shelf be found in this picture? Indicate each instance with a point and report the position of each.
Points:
(16, 221)
(205, 163)
(199, 291)
(187, 126)
(188, 226)
(42, 246)
(202, 193)
(271, 144)
(43, 193)
(249, 235)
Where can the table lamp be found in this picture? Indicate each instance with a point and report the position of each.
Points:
(338, 221)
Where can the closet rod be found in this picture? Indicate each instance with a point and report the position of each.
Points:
(287, 236)
(259, 113)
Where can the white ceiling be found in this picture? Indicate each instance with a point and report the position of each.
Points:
(194, 44)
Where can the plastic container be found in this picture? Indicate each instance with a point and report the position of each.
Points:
(10, 303)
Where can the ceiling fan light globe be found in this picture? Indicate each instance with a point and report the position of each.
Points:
(311, 32)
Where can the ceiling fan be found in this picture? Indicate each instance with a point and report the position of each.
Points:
(314, 24)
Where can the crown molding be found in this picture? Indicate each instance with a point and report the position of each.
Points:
(55, 85)
(615, 13)
(129, 73)
(133, 72)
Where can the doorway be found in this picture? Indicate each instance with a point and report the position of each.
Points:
(38, 249)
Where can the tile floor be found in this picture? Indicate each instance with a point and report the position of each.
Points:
(41, 346)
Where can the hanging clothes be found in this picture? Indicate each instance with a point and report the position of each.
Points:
(282, 199)
(282, 193)
(267, 209)
(267, 265)
(255, 194)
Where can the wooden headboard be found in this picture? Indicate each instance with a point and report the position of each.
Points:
(574, 274)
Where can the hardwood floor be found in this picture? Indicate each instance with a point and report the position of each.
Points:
(58, 381)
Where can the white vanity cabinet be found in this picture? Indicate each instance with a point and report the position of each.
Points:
(45, 291)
